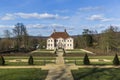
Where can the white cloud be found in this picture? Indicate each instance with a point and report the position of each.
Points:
(36, 15)
(62, 11)
(6, 26)
(90, 8)
(47, 27)
(99, 18)
(57, 26)
(36, 26)
(42, 26)
(8, 17)
(60, 26)
(32, 15)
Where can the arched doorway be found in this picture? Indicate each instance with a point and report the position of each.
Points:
(60, 45)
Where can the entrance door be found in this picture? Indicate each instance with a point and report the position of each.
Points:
(60, 45)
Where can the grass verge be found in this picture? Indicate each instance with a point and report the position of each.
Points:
(96, 74)
(23, 74)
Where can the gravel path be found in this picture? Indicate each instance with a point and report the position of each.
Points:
(87, 51)
(61, 71)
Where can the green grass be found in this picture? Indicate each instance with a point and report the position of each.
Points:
(74, 50)
(40, 63)
(101, 57)
(23, 74)
(44, 50)
(15, 57)
(77, 51)
(73, 58)
(90, 57)
(37, 60)
(44, 53)
(79, 60)
(41, 52)
(96, 74)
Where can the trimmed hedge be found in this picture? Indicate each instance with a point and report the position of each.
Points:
(116, 60)
(30, 61)
(86, 60)
(2, 61)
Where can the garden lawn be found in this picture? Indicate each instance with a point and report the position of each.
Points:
(75, 51)
(35, 58)
(79, 60)
(19, 60)
(96, 74)
(90, 57)
(23, 74)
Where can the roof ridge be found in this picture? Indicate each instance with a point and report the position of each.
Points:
(56, 35)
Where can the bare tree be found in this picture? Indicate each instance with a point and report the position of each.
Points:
(21, 35)
(108, 39)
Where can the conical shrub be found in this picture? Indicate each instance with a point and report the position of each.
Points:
(64, 53)
(116, 60)
(2, 60)
(30, 61)
(86, 60)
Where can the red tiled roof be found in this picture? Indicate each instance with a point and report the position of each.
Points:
(56, 35)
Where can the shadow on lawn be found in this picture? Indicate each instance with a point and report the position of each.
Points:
(95, 74)
(61, 74)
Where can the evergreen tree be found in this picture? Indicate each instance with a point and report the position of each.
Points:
(116, 60)
(87, 37)
(2, 61)
(30, 61)
(64, 53)
(86, 60)
(55, 52)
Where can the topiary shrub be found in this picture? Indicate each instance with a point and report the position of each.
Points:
(55, 51)
(64, 53)
(30, 61)
(116, 60)
(2, 60)
(86, 60)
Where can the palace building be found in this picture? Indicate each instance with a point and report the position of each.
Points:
(60, 40)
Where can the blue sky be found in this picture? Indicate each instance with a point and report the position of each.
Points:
(42, 16)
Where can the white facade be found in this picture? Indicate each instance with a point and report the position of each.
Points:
(50, 43)
(60, 43)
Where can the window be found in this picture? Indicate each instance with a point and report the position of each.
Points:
(48, 44)
(51, 40)
(68, 40)
(67, 44)
(51, 44)
(70, 44)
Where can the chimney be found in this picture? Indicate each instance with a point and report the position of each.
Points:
(54, 30)
(65, 30)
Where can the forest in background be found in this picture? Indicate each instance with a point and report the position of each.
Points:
(18, 40)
